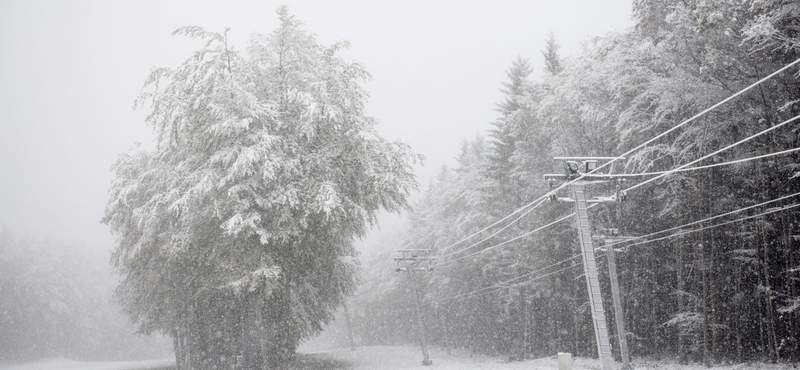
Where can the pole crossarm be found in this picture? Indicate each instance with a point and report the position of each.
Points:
(589, 158)
(416, 259)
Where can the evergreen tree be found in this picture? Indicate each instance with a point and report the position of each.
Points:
(552, 60)
(707, 292)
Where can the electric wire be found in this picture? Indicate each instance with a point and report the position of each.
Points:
(662, 173)
(495, 224)
(681, 168)
(572, 214)
(512, 239)
(674, 128)
(751, 137)
(520, 283)
(704, 220)
(705, 166)
(501, 285)
(541, 200)
(771, 211)
(640, 146)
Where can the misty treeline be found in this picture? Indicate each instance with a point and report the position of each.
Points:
(235, 233)
(727, 293)
(56, 301)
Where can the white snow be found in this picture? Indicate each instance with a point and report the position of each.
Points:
(410, 357)
(61, 363)
(397, 358)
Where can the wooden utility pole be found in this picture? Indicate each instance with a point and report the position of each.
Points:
(572, 171)
(416, 260)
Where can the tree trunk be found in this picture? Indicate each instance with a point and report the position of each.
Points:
(791, 321)
(446, 326)
(176, 345)
(704, 263)
(523, 324)
(349, 327)
(681, 304)
(773, 337)
(712, 297)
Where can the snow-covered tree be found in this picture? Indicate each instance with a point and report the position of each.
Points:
(235, 233)
(552, 60)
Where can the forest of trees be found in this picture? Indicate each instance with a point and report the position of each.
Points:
(709, 289)
(56, 301)
(236, 231)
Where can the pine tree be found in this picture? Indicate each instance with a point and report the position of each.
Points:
(552, 60)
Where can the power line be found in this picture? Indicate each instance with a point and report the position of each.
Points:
(640, 146)
(751, 137)
(541, 200)
(497, 223)
(696, 116)
(528, 281)
(709, 165)
(500, 285)
(662, 173)
(510, 240)
(703, 220)
(775, 210)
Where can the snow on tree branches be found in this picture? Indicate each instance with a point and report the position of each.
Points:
(235, 232)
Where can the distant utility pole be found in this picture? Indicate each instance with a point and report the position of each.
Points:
(573, 170)
(416, 260)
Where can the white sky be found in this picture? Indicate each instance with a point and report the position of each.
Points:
(70, 70)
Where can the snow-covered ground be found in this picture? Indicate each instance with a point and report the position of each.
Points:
(408, 357)
(403, 358)
(65, 364)
(393, 358)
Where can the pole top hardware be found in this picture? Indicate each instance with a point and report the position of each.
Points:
(590, 169)
(414, 259)
(587, 167)
(611, 236)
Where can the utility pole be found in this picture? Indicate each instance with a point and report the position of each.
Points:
(612, 276)
(572, 171)
(621, 333)
(416, 260)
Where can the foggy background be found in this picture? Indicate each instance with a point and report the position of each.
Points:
(70, 71)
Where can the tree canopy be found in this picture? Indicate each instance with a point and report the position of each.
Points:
(235, 234)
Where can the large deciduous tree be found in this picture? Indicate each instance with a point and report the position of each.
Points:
(235, 233)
